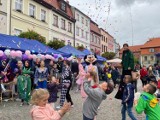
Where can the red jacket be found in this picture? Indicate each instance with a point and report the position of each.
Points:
(143, 72)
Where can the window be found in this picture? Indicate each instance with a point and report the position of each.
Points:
(77, 44)
(86, 35)
(17, 32)
(92, 38)
(55, 20)
(82, 33)
(151, 50)
(102, 48)
(106, 39)
(63, 6)
(95, 39)
(86, 22)
(83, 20)
(63, 24)
(106, 48)
(77, 31)
(152, 58)
(43, 15)
(145, 58)
(63, 41)
(32, 10)
(18, 5)
(86, 47)
(99, 41)
(69, 27)
(77, 17)
(69, 43)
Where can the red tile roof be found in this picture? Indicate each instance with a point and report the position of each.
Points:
(56, 4)
(135, 48)
(153, 42)
(94, 28)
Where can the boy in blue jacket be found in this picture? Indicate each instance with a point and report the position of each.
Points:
(128, 98)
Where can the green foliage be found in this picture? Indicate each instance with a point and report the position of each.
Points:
(30, 34)
(136, 61)
(56, 44)
(81, 48)
(108, 55)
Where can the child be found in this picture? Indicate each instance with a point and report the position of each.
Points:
(148, 103)
(91, 76)
(128, 98)
(43, 111)
(94, 99)
(53, 90)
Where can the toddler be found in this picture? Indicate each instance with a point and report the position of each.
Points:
(41, 110)
(53, 90)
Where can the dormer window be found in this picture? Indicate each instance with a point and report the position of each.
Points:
(63, 6)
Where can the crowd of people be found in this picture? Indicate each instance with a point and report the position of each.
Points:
(38, 83)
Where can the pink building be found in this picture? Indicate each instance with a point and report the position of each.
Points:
(110, 40)
(95, 38)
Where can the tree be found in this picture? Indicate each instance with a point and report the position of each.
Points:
(136, 61)
(56, 44)
(108, 55)
(30, 34)
(81, 48)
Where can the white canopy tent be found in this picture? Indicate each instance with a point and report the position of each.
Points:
(116, 60)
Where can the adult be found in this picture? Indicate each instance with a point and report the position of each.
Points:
(50, 66)
(143, 74)
(114, 75)
(75, 71)
(24, 83)
(127, 66)
(41, 76)
(66, 84)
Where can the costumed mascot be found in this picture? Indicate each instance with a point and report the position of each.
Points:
(91, 60)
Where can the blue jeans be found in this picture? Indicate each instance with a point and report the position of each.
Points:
(129, 111)
(85, 118)
(42, 84)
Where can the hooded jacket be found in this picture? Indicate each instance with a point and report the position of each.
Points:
(44, 113)
(149, 104)
(93, 101)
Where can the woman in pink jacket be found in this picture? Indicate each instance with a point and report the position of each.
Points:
(44, 111)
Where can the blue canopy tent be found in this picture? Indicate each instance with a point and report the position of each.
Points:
(16, 43)
(71, 50)
(99, 58)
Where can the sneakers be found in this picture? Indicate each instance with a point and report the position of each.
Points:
(21, 104)
(58, 107)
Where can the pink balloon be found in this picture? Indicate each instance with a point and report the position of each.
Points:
(47, 56)
(13, 54)
(42, 57)
(27, 52)
(18, 53)
(30, 57)
(1, 53)
(34, 57)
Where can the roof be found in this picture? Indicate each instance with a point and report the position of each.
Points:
(71, 50)
(153, 42)
(135, 48)
(94, 28)
(17, 43)
(56, 5)
(106, 32)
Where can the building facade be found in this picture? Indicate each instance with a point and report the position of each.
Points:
(110, 40)
(149, 51)
(3, 17)
(104, 42)
(53, 19)
(117, 48)
(95, 38)
(82, 29)
(61, 22)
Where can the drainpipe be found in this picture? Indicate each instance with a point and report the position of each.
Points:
(10, 17)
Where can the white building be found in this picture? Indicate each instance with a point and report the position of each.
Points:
(82, 29)
(4, 17)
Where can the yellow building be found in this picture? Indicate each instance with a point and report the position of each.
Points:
(29, 15)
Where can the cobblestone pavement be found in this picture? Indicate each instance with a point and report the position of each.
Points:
(110, 109)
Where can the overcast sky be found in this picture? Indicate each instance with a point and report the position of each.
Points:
(125, 20)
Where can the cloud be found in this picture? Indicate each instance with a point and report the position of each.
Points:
(143, 15)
